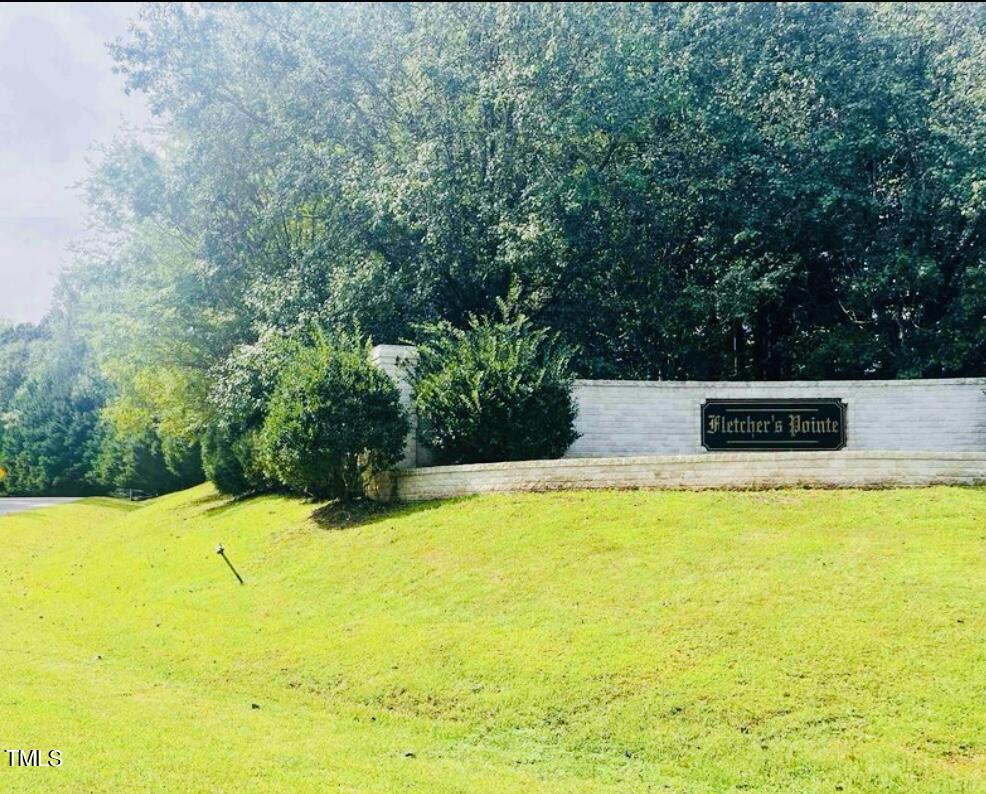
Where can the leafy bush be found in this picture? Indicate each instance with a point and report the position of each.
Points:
(242, 388)
(333, 418)
(229, 461)
(498, 390)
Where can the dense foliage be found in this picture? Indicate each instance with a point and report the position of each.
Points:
(63, 429)
(128, 462)
(228, 460)
(50, 422)
(498, 390)
(684, 190)
(761, 190)
(333, 419)
(241, 390)
(16, 346)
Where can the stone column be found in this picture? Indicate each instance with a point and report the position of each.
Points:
(396, 361)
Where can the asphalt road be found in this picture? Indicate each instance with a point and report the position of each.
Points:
(17, 504)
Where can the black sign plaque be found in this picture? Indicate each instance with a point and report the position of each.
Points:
(771, 425)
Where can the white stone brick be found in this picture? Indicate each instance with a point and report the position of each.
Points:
(711, 470)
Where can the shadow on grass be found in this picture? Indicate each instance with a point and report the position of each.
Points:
(217, 504)
(209, 499)
(333, 515)
(349, 514)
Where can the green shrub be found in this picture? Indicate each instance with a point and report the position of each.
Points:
(239, 396)
(498, 390)
(333, 418)
(227, 460)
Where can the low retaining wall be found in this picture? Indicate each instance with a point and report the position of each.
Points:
(712, 470)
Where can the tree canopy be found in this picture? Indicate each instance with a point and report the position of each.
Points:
(738, 191)
(702, 191)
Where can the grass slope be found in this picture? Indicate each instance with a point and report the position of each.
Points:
(789, 641)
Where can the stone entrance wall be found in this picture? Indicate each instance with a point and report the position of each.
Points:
(619, 418)
(648, 434)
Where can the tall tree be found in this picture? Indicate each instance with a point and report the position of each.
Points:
(684, 190)
(49, 439)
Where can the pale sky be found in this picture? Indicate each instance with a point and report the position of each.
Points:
(58, 96)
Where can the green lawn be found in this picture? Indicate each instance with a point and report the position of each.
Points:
(771, 641)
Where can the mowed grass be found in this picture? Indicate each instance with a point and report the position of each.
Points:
(771, 641)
